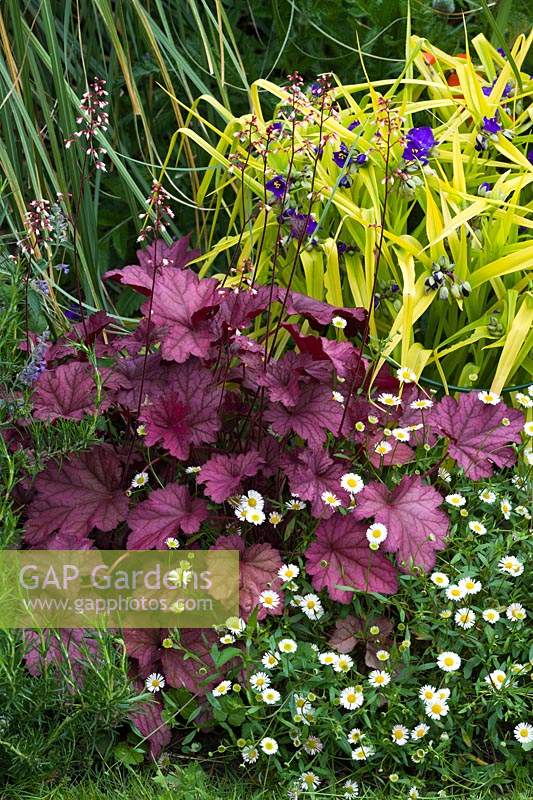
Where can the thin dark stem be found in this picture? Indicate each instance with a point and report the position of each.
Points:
(75, 243)
(377, 260)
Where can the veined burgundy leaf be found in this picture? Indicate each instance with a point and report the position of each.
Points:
(239, 309)
(148, 719)
(311, 417)
(401, 453)
(259, 565)
(166, 421)
(156, 379)
(86, 332)
(319, 313)
(183, 304)
(311, 474)
(67, 391)
(165, 513)
(144, 645)
(74, 648)
(478, 437)
(340, 556)
(191, 666)
(223, 474)
(82, 493)
(342, 355)
(140, 276)
(416, 527)
(351, 631)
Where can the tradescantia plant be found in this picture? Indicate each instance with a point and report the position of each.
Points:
(410, 198)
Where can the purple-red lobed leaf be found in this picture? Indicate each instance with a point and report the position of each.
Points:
(165, 513)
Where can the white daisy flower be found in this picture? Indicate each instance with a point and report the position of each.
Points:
(287, 572)
(351, 789)
(436, 709)
(376, 533)
(382, 448)
(192, 470)
(255, 516)
(470, 585)
(236, 625)
(330, 499)
(352, 483)
(449, 661)
(440, 579)
(388, 399)
(355, 736)
(523, 400)
(455, 592)
(351, 699)
(489, 398)
(343, 663)
(269, 599)
(222, 688)
(488, 496)
(339, 322)
(528, 428)
(313, 745)
(523, 733)
(456, 500)
(401, 434)
(506, 508)
(427, 693)
(269, 746)
(140, 479)
(465, 618)
(252, 500)
(477, 527)
(362, 753)
(496, 679)
(287, 646)
(400, 734)
(275, 518)
(309, 781)
(337, 396)
(491, 615)
(270, 660)
(379, 678)
(511, 565)
(249, 754)
(515, 612)
(295, 505)
(259, 681)
(311, 606)
(406, 375)
(328, 658)
(419, 731)
(172, 543)
(154, 682)
(421, 404)
(270, 696)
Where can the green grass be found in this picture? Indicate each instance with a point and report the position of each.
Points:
(192, 784)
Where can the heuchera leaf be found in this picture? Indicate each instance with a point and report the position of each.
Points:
(140, 277)
(342, 355)
(319, 313)
(311, 417)
(223, 475)
(148, 719)
(192, 666)
(166, 512)
(417, 528)
(166, 421)
(86, 332)
(144, 644)
(259, 565)
(67, 391)
(72, 647)
(340, 556)
(183, 304)
(478, 439)
(312, 474)
(351, 631)
(82, 493)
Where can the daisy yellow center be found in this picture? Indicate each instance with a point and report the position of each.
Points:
(350, 697)
(448, 661)
(252, 502)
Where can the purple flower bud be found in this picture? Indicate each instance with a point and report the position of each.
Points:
(484, 188)
(340, 157)
(353, 125)
(492, 125)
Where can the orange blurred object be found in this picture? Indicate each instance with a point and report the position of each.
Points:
(453, 79)
(429, 58)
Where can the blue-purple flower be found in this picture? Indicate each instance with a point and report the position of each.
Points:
(353, 125)
(507, 90)
(484, 188)
(341, 156)
(492, 125)
(419, 144)
(300, 224)
(277, 186)
(529, 156)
